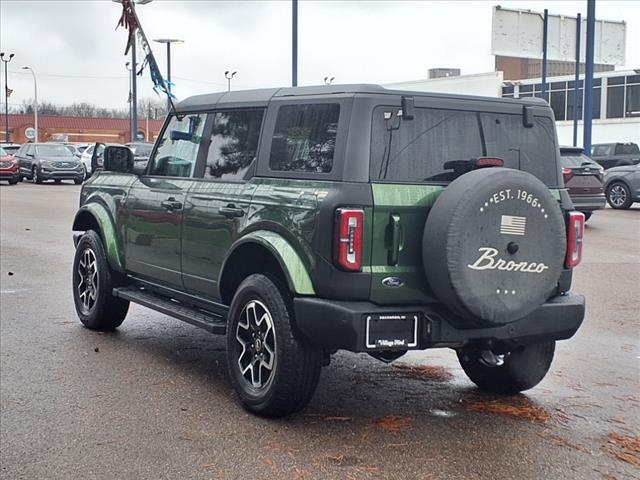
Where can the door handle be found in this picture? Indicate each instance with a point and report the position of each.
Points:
(231, 211)
(171, 204)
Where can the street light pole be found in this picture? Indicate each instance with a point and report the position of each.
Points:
(229, 75)
(132, 72)
(6, 95)
(169, 41)
(35, 103)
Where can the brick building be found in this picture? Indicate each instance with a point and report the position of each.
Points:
(78, 129)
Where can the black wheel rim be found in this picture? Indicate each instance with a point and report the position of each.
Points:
(256, 345)
(87, 280)
(618, 195)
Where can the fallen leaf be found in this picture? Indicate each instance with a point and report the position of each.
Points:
(393, 423)
(424, 372)
(513, 407)
(625, 448)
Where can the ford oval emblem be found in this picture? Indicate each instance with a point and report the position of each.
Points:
(392, 282)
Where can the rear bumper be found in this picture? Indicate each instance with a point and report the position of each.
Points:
(342, 325)
(588, 203)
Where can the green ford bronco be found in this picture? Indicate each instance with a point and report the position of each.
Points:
(302, 221)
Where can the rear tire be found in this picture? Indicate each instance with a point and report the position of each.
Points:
(587, 215)
(619, 196)
(511, 373)
(13, 182)
(77, 181)
(93, 283)
(273, 370)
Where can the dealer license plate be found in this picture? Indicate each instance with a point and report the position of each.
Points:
(392, 331)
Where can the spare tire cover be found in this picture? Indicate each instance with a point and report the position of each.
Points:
(494, 245)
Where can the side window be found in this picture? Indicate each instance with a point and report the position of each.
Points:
(234, 143)
(178, 148)
(304, 139)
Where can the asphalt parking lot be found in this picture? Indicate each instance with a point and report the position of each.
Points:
(153, 401)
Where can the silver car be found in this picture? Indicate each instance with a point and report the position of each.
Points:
(622, 186)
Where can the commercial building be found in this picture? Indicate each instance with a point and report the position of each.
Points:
(78, 129)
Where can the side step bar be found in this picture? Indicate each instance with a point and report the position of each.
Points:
(210, 321)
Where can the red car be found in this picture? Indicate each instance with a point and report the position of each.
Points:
(8, 168)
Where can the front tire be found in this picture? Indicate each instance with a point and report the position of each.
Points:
(510, 373)
(272, 368)
(13, 182)
(93, 282)
(35, 176)
(587, 215)
(619, 196)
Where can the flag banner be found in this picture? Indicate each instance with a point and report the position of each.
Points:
(129, 20)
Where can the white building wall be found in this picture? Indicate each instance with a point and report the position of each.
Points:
(602, 131)
(483, 84)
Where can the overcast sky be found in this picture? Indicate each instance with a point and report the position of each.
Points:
(79, 56)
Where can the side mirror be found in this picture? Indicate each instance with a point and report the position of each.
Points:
(118, 159)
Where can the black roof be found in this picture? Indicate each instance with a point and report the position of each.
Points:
(261, 97)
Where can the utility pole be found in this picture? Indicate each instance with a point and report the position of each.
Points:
(294, 43)
(588, 76)
(35, 104)
(6, 95)
(134, 94)
(132, 71)
(545, 28)
(576, 82)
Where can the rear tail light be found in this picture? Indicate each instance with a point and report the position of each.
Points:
(574, 239)
(566, 171)
(348, 238)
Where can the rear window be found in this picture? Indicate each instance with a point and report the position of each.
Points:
(304, 139)
(575, 160)
(602, 150)
(416, 150)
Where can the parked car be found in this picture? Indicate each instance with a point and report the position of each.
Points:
(48, 161)
(141, 153)
(583, 178)
(8, 168)
(10, 148)
(91, 158)
(75, 149)
(622, 186)
(301, 221)
(616, 154)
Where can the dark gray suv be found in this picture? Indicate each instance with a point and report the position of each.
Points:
(48, 161)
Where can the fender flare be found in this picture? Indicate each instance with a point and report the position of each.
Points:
(107, 232)
(296, 274)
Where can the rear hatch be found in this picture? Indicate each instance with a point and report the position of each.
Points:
(582, 176)
(407, 173)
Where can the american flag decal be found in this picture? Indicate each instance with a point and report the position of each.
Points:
(510, 225)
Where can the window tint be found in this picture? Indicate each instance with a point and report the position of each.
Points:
(626, 149)
(603, 150)
(615, 104)
(178, 148)
(304, 139)
(416, 150)
(576, 160)
(234, 143)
